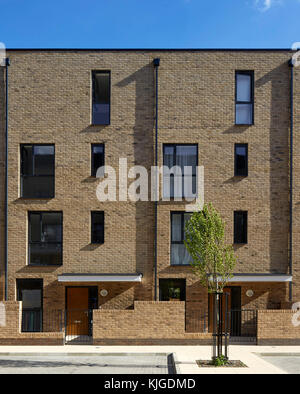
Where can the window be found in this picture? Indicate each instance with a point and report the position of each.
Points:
(101, 97)
(180, 174)
(97, 227)
(241, 160)
(179, 253)
(172, 289)
(45, 238)
(97, 158)
(240, 227)
(37, 171)
(244, 97)
(30, 292)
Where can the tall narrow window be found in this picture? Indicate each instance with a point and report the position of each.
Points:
(180, 172)
(244, 97)
(30, 292)
(240, 227)
(101, 97)
(97, 228)
(45, 238)
(97, 159)
(37, 171)
(241, 160)
(179, 253)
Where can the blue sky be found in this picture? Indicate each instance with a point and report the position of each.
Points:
(149, 23)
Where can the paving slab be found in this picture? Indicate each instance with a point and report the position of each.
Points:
(287, 362)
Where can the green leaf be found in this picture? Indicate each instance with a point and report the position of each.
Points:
(212, 260)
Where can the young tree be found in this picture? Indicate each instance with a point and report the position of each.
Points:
(212, 260)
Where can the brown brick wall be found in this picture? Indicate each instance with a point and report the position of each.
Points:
(266, 295)
(200, 109)
(149, 321)
(50, 102)
(2, 181)
(276, 328)
(10, 333)
(296, 191)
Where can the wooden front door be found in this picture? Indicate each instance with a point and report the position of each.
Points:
(77, 311)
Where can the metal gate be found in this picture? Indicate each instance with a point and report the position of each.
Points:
(243, 325)
(79, 326)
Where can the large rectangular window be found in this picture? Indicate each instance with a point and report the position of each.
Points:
(179, 253)
(97, 227)
(97, 159)
(244, 97)
(30, 292)
(241, 160)
(37, 171)
(101, 97)
(180, 172)
(45, 238)
(240, 227)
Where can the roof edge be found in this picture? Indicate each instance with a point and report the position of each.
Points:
(149, 49)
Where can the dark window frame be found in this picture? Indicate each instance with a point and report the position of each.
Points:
(27, 284)
(51, 242)
(165, 280)
(236, 172)
(93, 172)
(172, 175)
(93, 97)
(237, 102)
(238, 239)
(182, 213)
(22, 175)
(93, 242)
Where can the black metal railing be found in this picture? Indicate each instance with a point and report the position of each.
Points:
(243, 325)
(196, 321)
(37, 320)
(240, 324)
(32, 320)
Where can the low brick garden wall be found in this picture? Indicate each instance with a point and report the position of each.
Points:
(10, 329)
(275, 327)
(149, 323)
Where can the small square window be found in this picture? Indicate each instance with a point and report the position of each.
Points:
(172, 289)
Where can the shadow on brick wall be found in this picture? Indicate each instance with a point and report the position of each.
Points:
(143, 129)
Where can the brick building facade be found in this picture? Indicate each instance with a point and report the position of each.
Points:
(50, 103)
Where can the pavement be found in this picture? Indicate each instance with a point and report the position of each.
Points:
(288, 362)
(146, 359)
(87, 363)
